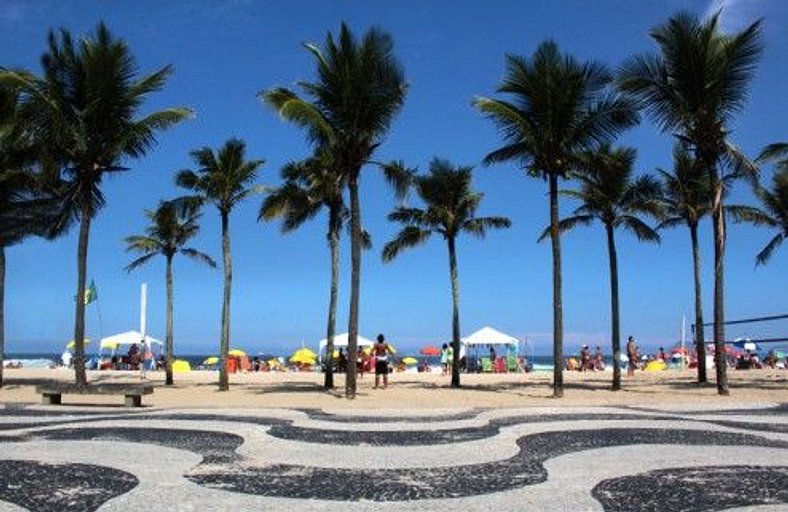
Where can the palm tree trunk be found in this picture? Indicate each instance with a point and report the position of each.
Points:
(168, 342)
(355, 281)
(333, 241)
(455, 319)
(2, 312)
(719, 305)
(615, 327)
(700, 344)
(79, 320)
(558, 327)
(224, 383)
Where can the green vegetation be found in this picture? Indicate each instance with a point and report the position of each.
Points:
(171, 227)
(451, 205)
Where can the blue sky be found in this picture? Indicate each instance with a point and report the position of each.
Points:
(225, 52)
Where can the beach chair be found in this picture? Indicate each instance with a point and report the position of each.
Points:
(487, 365)
(511, 364)
(499, 366)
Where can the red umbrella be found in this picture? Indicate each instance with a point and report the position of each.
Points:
(429, 350)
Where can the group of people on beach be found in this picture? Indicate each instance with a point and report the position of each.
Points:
(378, 359)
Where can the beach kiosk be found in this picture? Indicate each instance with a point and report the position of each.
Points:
(118, 345)
(340, 341)
(483, 342)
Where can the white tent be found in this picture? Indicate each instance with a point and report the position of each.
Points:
(489, 336)
(340, 340)
(127, 338)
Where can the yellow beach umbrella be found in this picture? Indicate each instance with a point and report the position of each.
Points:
(274, 363)
(302, 358)
(71, 344)
(181, 366)
(211, 360)
(410, 360)
(236, 352)
(304, 353)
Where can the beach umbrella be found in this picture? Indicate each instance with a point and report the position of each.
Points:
(71, 344)
(236, 352)
(430, 351)
(410, 360)
(211, 361)
(181, 366)
(302, 358)
(304, 353)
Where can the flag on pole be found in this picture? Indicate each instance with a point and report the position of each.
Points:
(91, 294)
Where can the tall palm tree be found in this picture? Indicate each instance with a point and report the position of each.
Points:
(172, 227)
(451, 205)
(225, 178)
(309, 186)
(693, 88)
(686, 199)
(559, 107)
(360, 88)
(83, 112)
(609, 194)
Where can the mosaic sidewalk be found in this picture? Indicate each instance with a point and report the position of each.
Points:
(563, 458)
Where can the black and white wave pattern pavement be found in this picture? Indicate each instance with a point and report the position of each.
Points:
(562, 458)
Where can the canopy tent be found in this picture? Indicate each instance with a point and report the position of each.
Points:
(340, 340)
(490, 336)
(128, 338)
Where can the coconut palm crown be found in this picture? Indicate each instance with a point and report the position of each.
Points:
(693, 88)
(557, 107)
(451, 205)
(225, 178)
(83, 113)
(171, 228)
(347, 112)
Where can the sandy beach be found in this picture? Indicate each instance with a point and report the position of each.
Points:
(412, 390)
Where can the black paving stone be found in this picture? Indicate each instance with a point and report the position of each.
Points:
(525, 468)
(61, 487)
(695, 489)
(214, 447)
(317, 414)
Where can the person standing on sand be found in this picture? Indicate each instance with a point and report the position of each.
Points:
(147, 357)
(632, 356)
(599, 359)
(585, 359)
(381, 352)
(444, 359)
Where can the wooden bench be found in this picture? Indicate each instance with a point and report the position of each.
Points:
(51, 393)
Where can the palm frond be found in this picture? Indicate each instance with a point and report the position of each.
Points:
(766, 253)
(199, 256)
(409, 237)
(567, 224)
(139, 262)
(642, 231)
(478, 226)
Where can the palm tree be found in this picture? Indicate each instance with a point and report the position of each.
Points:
(171, 228)
(83, 113)
(25, 210)
(451, 205)
(686, 199)
(359, 90)
(610, 195)
(309, 186)
(224, 178)
(558, 107)
(693, 88)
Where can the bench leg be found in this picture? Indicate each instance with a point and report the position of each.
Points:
(133, 400)
(51, 399)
